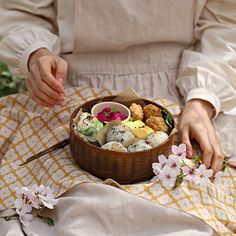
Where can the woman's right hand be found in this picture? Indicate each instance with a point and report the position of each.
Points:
(195, 123)
(45, 81)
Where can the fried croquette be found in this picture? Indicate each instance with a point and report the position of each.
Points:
(157, 123)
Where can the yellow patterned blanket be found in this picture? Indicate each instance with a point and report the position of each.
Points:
(26, 129)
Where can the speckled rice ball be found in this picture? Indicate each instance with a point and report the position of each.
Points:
(156, 138)
(138, 146)
(119, 133)
(114, 146)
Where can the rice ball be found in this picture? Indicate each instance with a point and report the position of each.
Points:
(114, 146)
(156, 138)
(119, 133)
(138, 146)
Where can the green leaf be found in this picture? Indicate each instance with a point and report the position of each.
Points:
(46, 219)
(197, 160)
(7, 218)
(49, 221)
(3, 67)
(179, 180)
(168, 119)
(9, 84)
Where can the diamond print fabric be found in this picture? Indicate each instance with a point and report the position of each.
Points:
(26, 129)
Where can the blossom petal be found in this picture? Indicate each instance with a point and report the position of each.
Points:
(182, 148)
(217, 178)
(186, 169)
(162, 159)
(208, 173)
(25, 219)
(175, 149)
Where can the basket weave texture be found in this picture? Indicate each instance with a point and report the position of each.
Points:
(123, 167)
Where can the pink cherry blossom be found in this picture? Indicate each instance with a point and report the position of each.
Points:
(35, 197)
(26, 219)
(48, 200)
(172, 171)
(158, 166)
(23, 190)
(46, 196)
(167, 177)
(22, 210)
(203, 174)
(28, 196)
(174, 163)
(179, 150)
(190, 174)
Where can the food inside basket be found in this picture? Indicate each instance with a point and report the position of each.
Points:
(137, 129)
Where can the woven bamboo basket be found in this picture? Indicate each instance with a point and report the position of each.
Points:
(123, 167)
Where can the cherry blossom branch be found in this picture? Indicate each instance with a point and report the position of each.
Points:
(174, 170)
(35, 198)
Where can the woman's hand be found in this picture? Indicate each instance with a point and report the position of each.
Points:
(195, 124)
(45, 82)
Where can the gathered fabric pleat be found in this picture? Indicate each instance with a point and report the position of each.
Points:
(156, 84)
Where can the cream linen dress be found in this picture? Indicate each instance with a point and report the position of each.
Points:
(175, 49)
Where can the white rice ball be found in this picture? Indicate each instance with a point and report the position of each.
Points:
(119, 133)
(157, 138)
(114, 146)
(138, 146)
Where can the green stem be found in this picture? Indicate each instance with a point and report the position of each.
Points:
(46, 219)
(7, 218)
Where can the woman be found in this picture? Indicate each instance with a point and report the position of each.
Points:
(179, 50)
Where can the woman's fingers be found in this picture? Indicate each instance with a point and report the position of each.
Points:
(61, 70)
(212, 155)
(47, 65)
(195, 124)
(217, 162)
(47, 73)
(35, 98)
(205, 144)
(218, 155)
(186, 140)
(43, 90)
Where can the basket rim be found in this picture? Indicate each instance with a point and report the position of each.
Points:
(121, 154)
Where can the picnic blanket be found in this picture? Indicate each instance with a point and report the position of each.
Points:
(26, 129)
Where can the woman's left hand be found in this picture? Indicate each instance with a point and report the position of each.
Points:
(195, 123)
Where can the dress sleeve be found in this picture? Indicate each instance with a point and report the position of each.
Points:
(208, 70)
(25, 26)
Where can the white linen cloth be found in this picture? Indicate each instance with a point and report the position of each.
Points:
(96, 209)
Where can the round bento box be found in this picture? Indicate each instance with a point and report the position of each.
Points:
(123, 167)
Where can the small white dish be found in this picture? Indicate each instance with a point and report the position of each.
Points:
(120, 107)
